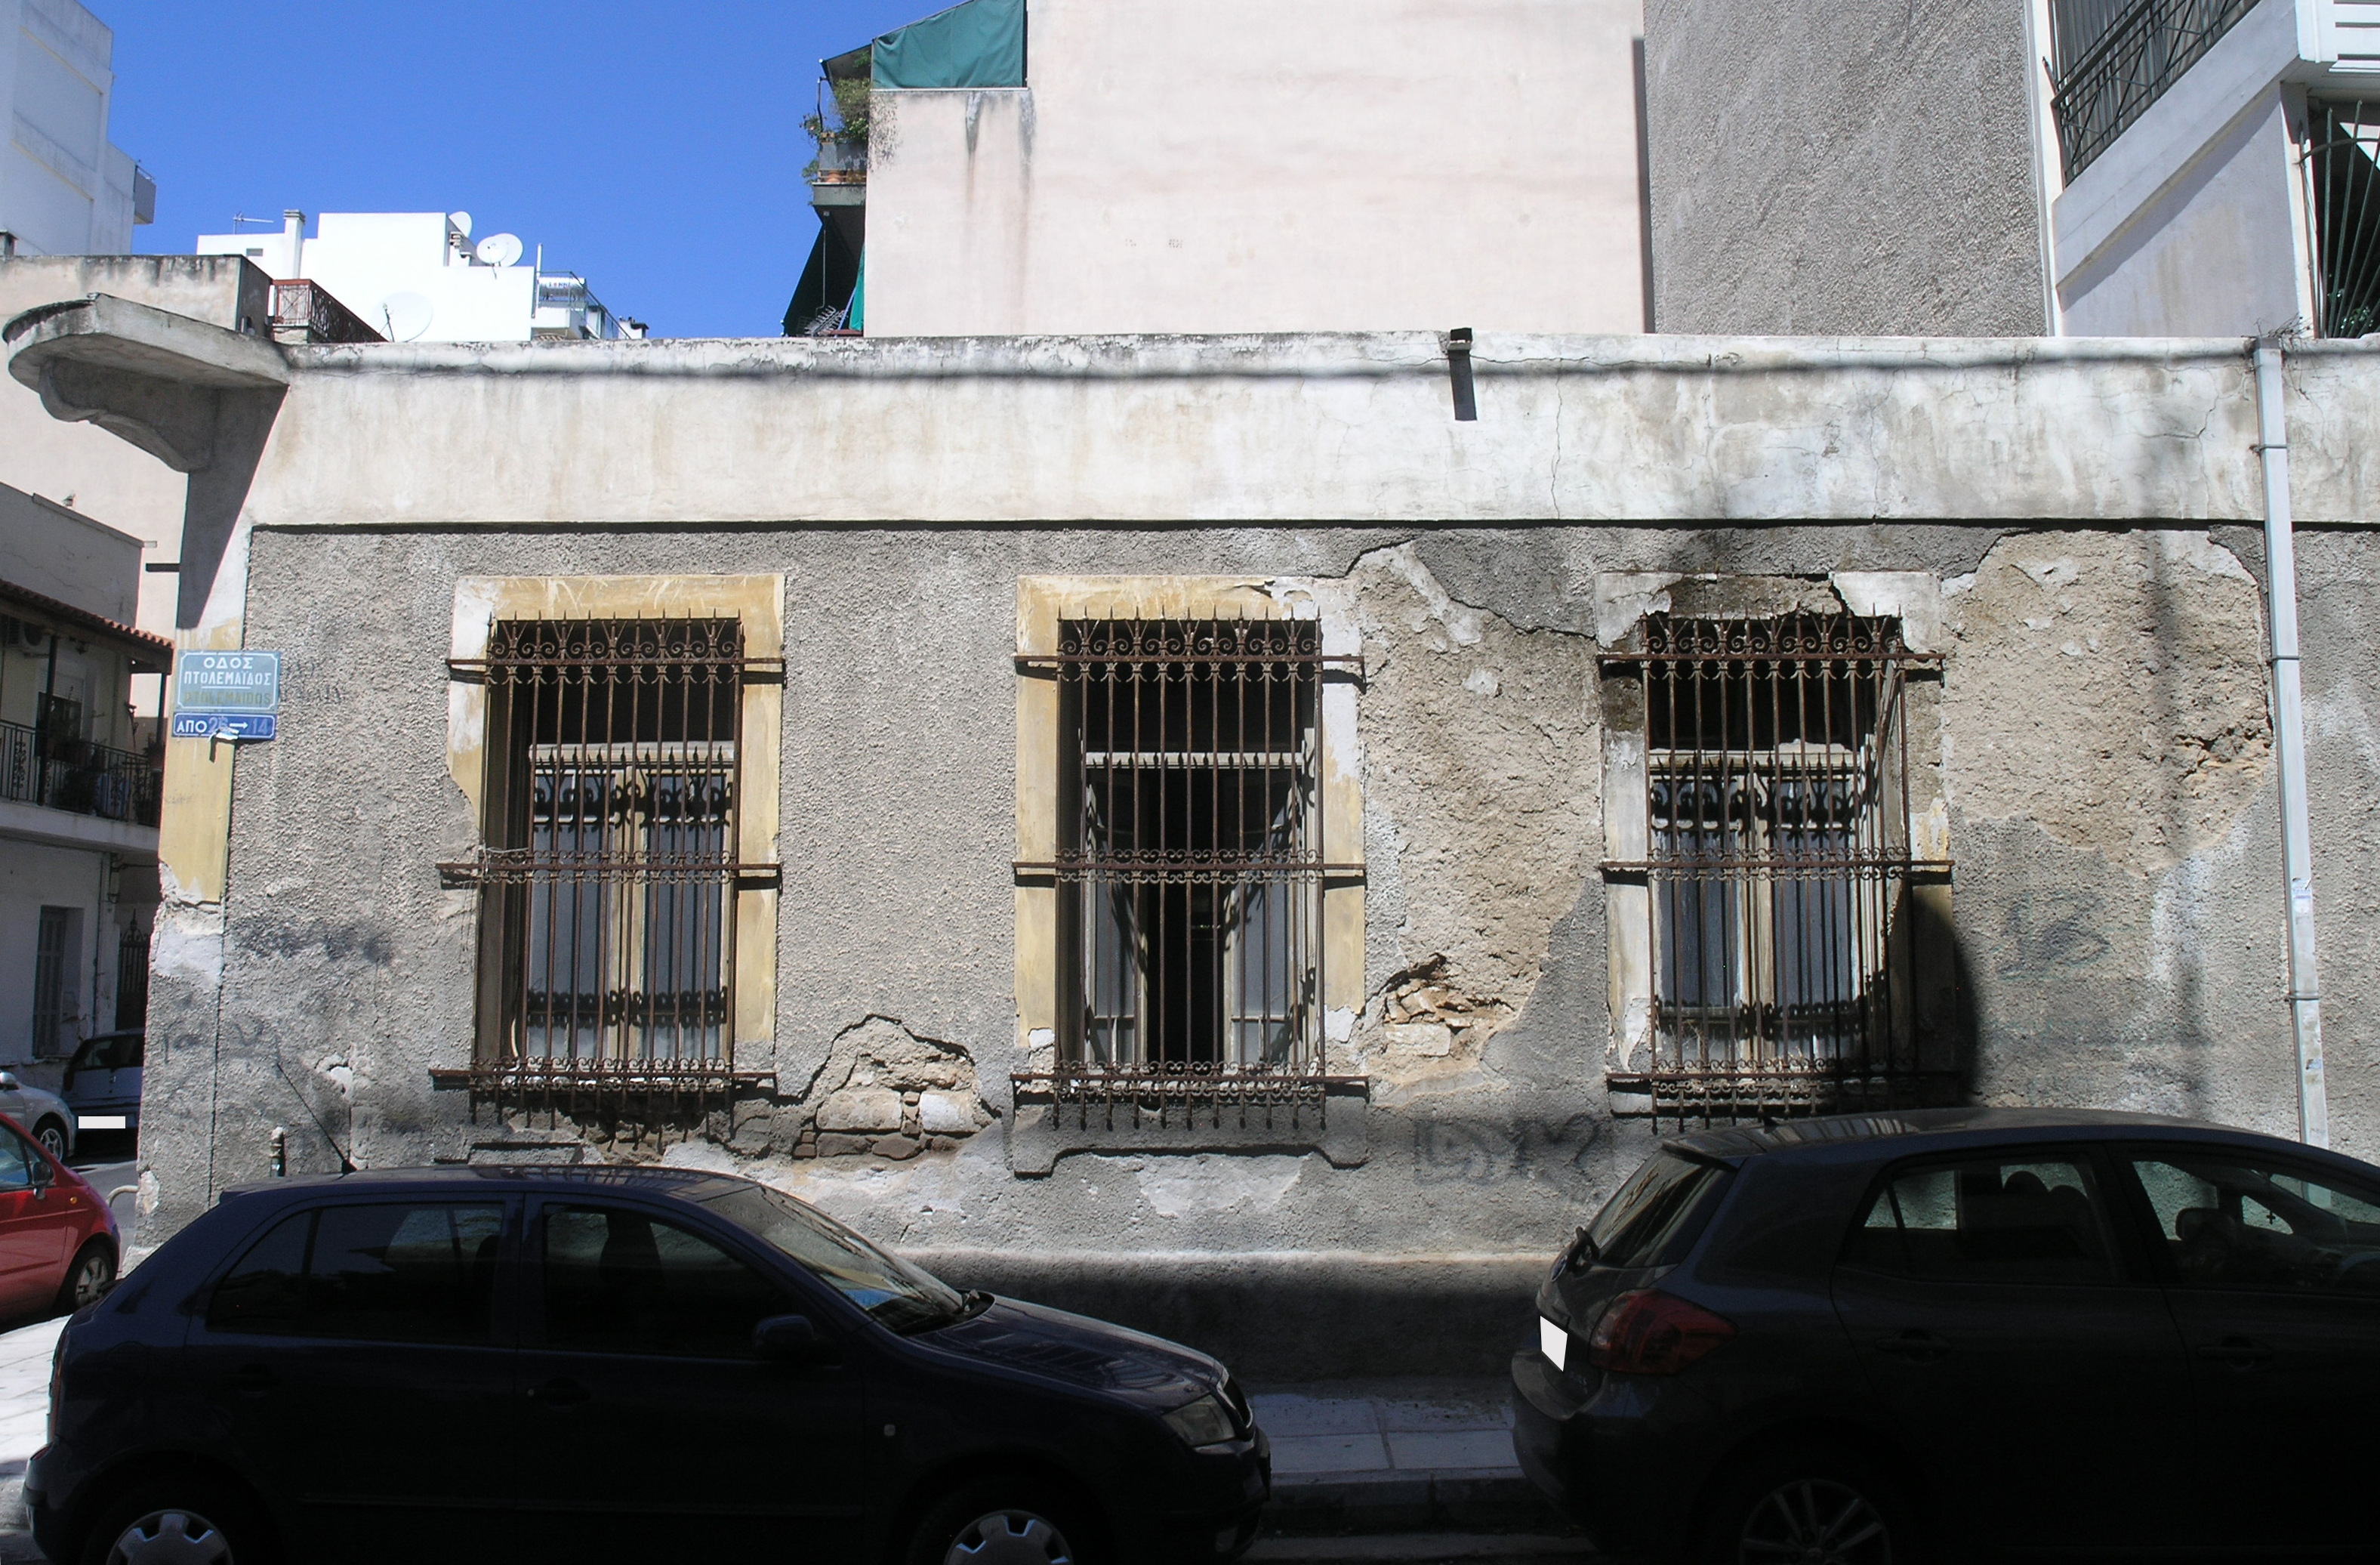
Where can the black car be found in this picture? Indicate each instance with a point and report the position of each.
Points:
(1904, 1337)
(592, 1365)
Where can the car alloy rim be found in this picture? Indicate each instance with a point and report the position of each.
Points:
(1814, 1522)
(54, 1142)
(1009, 1537)
(90, 1277)
(171, 1537)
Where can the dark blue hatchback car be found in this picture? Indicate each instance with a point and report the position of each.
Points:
(1966, 1333)
(589, 1364)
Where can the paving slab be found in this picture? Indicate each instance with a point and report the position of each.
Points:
(1402, 1456)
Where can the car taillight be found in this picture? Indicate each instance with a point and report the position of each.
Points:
(57, 1383)
(1650, 1332)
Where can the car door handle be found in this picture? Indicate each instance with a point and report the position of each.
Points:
(253, 1380)
(2240, 1352)
(1917, 1345)
(560, 1393)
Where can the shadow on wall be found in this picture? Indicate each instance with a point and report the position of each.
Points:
(1290, 1317)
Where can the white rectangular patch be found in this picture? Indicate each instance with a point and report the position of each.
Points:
(1553, 1341)
(100, 1123)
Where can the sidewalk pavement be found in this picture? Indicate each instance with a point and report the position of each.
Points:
(24, 1425)
(1428, 1460)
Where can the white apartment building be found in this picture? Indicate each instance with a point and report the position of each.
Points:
(417, 276)
(64, 189)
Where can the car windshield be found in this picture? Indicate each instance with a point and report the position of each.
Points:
(1654, 1204)
(903, 1297)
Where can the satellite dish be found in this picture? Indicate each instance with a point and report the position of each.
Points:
(406, 315)
(462, 220)
(499, 249)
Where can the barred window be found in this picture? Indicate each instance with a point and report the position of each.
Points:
(1191, 858)
(608, 861)
(1778, 866)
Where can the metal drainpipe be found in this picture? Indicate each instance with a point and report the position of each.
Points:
(2289, 742)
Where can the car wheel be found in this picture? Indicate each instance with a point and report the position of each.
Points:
(996, 1522)
(52, 1137)
(92, 1274)
(172, 1521)
(1819, 1507)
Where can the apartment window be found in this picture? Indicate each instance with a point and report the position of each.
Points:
(131, 977)
(1782, 939)
(1191, 861)
(608, 866)
(54, 965)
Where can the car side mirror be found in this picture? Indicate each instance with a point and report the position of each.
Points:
(791, 1339)
(8, 1083)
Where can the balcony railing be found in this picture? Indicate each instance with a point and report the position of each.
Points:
(304, 312)
(77, 775)
(2114, 60)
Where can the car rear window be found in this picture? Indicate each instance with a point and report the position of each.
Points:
(393, 1273)
(1655, 1206)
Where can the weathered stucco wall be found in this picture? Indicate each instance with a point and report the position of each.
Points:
(1689, 430)
(2104, 751)
(1865, 167)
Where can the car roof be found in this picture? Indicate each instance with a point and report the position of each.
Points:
(684, 1184)
(1915, 1127)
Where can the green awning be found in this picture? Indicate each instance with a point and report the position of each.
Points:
(975, 44)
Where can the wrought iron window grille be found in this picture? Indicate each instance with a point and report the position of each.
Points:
(2113, 58)
(608, 869)
(1190, 872)
(1781, 933)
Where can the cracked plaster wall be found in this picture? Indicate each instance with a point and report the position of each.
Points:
(2118, 935)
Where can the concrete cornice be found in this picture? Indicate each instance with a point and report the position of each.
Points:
(1355, 428)
(1320, 355)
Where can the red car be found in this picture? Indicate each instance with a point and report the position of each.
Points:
(57, 1238)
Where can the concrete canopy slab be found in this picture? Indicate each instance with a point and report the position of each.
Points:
(148, 376)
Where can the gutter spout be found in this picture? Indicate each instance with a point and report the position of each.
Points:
(2289, 742)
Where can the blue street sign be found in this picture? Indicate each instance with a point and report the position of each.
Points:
(242, 683)
(218, 724)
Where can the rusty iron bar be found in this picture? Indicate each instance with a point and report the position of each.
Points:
(1191, 854)
(496, 866)
(1139, 1094)
(1782, 941)
(607, 868)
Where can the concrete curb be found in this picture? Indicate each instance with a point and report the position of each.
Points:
(1458, 1500)
(1422, 1548)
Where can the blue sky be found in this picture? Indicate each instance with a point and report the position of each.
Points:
(655, 150)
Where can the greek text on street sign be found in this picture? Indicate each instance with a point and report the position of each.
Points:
(227, 694)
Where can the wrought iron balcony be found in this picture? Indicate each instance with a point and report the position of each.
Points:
(2114, 59)
(73, 774)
